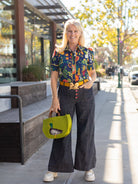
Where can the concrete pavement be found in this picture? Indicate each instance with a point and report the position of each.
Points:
(116, 138)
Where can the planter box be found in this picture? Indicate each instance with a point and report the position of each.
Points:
(10, 146)
(30, 92)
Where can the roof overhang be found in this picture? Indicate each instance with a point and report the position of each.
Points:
(54, 10)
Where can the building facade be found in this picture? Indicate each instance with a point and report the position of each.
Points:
(28, 32)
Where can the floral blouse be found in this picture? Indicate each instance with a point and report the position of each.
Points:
(73, 66)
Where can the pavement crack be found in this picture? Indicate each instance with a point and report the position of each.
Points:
(70, 178)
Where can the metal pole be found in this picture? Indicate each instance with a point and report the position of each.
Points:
(119, 84)
(21, 131)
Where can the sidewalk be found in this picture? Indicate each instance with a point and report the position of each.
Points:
(116, 138)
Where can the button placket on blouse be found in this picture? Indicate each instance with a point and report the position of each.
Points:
(76, 94)
(74, 65)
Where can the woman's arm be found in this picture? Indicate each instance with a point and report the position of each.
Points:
(92, 75)
(55, 101)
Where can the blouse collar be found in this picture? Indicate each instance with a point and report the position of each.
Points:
(79, 47)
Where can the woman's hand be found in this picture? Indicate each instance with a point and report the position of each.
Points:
(92, 78)
(55, 107)
(87, 85)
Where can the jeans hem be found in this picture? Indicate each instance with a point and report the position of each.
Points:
(84, 169)
(60, 170)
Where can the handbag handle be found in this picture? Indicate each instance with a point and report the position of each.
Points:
(50, 114)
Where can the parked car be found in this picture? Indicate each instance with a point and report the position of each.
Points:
(133, 75)
(126, 72)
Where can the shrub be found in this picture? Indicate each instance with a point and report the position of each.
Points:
(34, 72)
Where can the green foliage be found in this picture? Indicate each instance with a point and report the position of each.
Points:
(96, 65)
(99, 70)
(34, 72)
(100, 73)
(136, 60)
(101, 17)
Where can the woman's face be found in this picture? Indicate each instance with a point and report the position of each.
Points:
(73, 34)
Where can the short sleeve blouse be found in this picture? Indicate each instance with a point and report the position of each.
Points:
(73, 66)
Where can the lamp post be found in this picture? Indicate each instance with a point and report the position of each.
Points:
(118, 24)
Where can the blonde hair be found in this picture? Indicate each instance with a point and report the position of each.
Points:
(61, 48)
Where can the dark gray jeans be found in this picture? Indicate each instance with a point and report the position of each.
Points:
(81, 100)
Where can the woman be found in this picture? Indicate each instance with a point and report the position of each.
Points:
(72, 63)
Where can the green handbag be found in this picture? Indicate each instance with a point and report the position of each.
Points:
(57, 127)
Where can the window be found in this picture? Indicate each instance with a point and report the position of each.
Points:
(37, 39)
(7, 42)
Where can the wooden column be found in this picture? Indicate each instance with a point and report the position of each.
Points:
(20, 39)
(53, 37)
(42, 49)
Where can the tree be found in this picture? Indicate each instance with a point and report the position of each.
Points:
(101, 16)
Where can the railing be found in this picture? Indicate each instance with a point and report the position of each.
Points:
(21, 123)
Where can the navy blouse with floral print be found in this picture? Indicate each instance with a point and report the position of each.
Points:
(73, 66)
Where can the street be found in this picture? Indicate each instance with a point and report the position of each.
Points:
(134, 88)
(116, 127)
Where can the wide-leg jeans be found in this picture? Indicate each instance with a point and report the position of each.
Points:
(81, 101)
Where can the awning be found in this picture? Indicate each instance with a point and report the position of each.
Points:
(53, 9)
